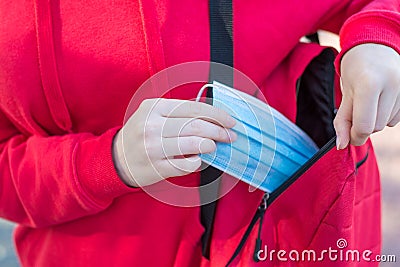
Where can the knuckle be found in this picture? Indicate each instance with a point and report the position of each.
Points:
(195, 108)
(393, 72)
(137, 130)
(337, 122)
(196, 127)
(151, 149)
(152, 128)
(146, 103)
(222, 117)
(379, 128)
(160, 104)
(193, 144)
(364, 134)
(151, 105)
(368, 82)
(363, 130)
(393, 123)
(358, 142)
(140, 124)
(221, 134)
(340, 123)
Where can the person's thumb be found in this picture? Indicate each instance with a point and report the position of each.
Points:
(343, 122)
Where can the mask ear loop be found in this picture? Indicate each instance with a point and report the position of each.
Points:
(201, 91)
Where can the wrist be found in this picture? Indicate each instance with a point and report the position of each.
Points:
(119, 160)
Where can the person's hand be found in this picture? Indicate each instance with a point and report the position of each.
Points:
(370, 81)
(164, 137)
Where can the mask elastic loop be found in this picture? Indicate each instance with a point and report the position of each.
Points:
(208, 85)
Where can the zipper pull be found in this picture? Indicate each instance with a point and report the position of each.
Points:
(261, 212)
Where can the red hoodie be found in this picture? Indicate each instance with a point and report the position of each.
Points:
(67, 72)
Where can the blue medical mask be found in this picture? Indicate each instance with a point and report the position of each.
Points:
(269, 147)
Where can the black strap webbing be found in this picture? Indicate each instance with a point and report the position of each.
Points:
(221, 51)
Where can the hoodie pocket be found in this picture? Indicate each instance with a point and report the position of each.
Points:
(295, 212)
(315, 98)
(315, 111)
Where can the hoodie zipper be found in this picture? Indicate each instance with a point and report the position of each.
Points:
(269, 198)
(261, 209)
(258, 216)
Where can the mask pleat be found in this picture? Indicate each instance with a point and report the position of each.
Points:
(269, 147)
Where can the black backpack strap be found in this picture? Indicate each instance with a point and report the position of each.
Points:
(313, 37)
(221, 51)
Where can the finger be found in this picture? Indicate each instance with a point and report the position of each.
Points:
(385, 106)
(395, 120)
(365, 106)
(342, 122)
(396, 109)
(173, 108)
(190, 145)
(175, 127)
(178, 167)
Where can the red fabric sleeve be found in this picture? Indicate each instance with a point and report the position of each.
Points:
(379, 27)
(366, 21)
(50, 180)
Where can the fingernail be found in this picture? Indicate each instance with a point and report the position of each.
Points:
(232, 121)
(232, 136)
(206, 146)
(337, 143)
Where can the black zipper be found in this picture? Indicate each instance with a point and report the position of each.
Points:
(261, 208)
(259, 215)
(268, 198)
